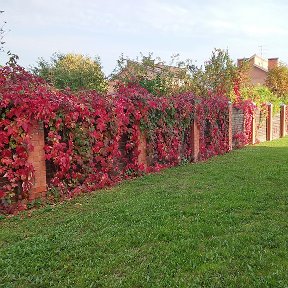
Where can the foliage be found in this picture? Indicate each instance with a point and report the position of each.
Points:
(82, 136)
(75, 71)
(261, 95)
(219, 223)
(217, 76)
(212, 116)
(245, 137)
(277, 82)
(243, 79)
(152, 74)
(248, 108)
(91, 141)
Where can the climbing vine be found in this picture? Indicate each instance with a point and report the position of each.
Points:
(92, 141)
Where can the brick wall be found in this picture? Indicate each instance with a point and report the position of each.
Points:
(260, 127)
(236, 125)
(237, 122)
(276, 126)
(257, 75)
(286, 122)
(37, 159)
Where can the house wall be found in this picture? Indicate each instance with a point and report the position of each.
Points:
(259, 68)
(260, 62)
(257, 76)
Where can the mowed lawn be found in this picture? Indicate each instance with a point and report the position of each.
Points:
(219, 223)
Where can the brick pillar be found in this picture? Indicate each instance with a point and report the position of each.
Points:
(253, 128)
(195, 140)
(37, 159)
(283, 121)
(230, 133)
(269, 126)
(142, 157)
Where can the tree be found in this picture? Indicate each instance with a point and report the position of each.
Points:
(277, 81)
(217, 76)
(151, 73)
(75, 71)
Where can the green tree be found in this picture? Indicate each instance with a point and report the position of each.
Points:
(217, 76)
(75, 71)
(156, 76)
(277, 81)
(261, 95)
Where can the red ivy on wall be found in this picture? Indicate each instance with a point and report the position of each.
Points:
(92, 140)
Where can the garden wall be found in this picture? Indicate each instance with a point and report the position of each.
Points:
(260, 126)
(237, 123)
(43, 170)
(285, 113)
(276, 126)
(59, 144)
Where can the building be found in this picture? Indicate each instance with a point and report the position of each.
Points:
(259, 68)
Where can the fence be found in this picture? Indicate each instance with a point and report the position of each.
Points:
(270, 126)
(263, 129)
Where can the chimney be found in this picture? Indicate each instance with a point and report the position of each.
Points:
(272, 63)
(239, 62)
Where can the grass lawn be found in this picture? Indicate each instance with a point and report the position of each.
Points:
(220, 223)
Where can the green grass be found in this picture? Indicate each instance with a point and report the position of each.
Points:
(220, 223)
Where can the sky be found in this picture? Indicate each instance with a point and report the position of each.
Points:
(108, 28)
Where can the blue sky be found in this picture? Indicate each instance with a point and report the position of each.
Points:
(107, 28)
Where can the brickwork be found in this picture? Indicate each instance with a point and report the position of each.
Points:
(270, 128)
(286, 120)
(272, 63)
(37, 158)
(260, 127)
(269, 123)
(237, 121)
(253, 128)
(283, 121)
(230, 127)
(276, 126)
(257, 75)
